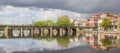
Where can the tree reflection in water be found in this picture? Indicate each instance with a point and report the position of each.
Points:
(63, 42)
(118, 43)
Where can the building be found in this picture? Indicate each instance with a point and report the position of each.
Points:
(93, 21)
(113, 17)
(81, 22)
(96, 19)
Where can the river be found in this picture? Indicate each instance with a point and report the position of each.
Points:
(78, 44)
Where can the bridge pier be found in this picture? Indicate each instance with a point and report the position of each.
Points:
(6, 32)
(51, 31)
(66, 32)
(48, 32)
(32, 32)
(69, 31)
(21, 32)
(42, 32)
(61, 31)
(55, 32)
(77, 31)
(36, 32)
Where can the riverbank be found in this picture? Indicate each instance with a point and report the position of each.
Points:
(100, 32)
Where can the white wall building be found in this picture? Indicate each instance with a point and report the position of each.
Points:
(81, 22)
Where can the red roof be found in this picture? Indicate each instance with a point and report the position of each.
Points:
(95, 15)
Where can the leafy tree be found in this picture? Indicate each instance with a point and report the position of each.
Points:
(49, 23)
(118, 24)
(72, 24)
(106, 23)
(44, 23)
(63, 21)
(106, 42)
(38, 23)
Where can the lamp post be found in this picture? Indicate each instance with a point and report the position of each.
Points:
(32, 22)
(32, 30)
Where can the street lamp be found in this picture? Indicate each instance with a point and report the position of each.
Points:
(32, 22)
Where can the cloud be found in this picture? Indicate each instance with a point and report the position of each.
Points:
(12, 45)
(20, 15)
(81, 6)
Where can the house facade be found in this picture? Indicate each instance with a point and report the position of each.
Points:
(93, 21)
(96, 19)
(81, 23)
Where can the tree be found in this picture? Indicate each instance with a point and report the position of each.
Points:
(38, 23)
(49, 23)
(118, 24)
(106, 42)
(44, 23)
(72, 24)
(106, 23)
(63, 21)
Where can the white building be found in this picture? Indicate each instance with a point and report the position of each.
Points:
(81, 22)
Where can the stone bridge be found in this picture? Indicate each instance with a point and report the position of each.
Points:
(12, 31)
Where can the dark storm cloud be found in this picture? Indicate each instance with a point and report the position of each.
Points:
(81, 6)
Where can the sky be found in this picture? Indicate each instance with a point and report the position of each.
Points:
(23, 11)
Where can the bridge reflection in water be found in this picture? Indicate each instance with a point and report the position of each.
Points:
(37, 31)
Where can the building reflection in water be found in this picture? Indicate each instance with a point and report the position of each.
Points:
(102, 41)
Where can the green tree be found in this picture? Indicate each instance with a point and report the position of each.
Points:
(106, 42)
(44, 23)
(48, 23)
(106, 23)
(118, 25)
(72, 24)
(38, 23)
(63, 21)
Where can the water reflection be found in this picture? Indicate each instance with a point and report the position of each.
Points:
(103, 41)
(1, 33)
(26, 32)
(94, 40)
(41, 43)
(15, 33)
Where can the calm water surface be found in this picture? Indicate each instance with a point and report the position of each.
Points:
(40, 44)
(78, 44)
